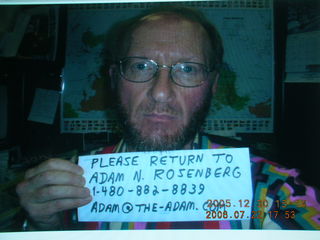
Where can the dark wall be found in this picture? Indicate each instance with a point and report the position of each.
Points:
(300, 143)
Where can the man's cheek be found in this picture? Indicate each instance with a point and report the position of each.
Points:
(193, 101)
(124, 100)
(130, 103)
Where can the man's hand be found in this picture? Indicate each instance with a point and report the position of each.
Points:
(53, 186)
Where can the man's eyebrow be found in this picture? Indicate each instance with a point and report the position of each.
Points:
(178, 60)
(138, 56)
(191, 59)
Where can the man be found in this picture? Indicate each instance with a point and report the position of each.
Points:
(166, 73)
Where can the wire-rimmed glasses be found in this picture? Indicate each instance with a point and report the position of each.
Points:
(185, 74)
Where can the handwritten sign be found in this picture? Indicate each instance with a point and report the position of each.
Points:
(184, 185)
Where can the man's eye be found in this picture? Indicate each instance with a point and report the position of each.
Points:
(188, 69)
(140, 66)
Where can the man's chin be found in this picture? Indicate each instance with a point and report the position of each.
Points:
(159, 139)
(154, 139)
(159, 130)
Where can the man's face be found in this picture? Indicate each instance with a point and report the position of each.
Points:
(160, 115)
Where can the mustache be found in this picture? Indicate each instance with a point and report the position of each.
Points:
(149, 107)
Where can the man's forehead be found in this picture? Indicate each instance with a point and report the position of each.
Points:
(172, 17)
(170, 28)
(169, 21)
(170, 35)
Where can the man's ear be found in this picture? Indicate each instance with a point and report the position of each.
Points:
(214, 86)
(113, 74)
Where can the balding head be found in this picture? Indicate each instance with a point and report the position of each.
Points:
(122, 41)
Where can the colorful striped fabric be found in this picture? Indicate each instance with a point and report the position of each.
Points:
(290, 203)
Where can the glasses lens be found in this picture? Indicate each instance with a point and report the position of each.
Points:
(189, 74)
(137, 69)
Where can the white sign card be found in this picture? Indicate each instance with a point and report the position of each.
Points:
(184, 185)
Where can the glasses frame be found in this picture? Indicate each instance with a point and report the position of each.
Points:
(206, 68)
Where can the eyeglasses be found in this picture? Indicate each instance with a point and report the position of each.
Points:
(186, 74)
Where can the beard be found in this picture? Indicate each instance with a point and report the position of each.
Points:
(135, 140)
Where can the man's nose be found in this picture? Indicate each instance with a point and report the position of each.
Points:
(162, 86)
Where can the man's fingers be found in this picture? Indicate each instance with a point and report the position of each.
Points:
(54, 164)
(40, 211)
(53, 186)
(55, 178)
(50, 193)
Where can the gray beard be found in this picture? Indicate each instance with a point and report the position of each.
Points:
(184, 135)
